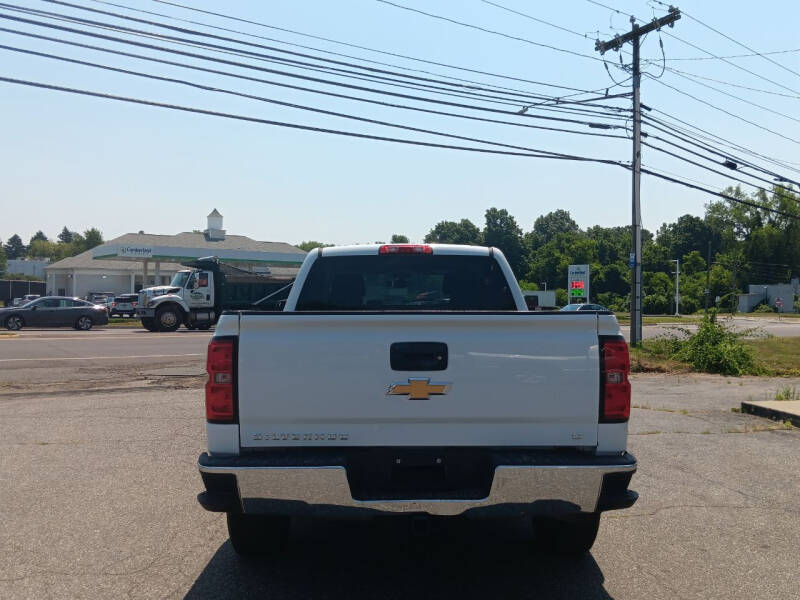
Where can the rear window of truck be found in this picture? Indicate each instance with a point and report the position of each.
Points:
(405, 282)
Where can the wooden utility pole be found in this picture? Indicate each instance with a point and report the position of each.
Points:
(634, 37)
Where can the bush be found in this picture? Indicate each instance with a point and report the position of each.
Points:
(715, 348)
(763, 308)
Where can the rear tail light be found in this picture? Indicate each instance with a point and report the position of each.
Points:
(615, 389)
(405, 249)
(113, 304)
(220, 387)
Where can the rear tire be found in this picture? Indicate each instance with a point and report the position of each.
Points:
(14, 323)
(569, 535)
(168, 318)
(149, 324)
(257, 534)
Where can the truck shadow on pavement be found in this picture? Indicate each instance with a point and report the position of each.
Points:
(386, 559)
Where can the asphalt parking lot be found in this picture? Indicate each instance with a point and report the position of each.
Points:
(99, 482)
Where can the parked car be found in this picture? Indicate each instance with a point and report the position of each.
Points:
(25, 299)
(124, 305)
(54, 311)
(584, 307)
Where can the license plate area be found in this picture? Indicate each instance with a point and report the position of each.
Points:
(410, 474)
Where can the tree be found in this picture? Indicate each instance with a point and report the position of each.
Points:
(14, 247)
(546, 227)
(449, 232)
(311, 244)
(399, 239)
(65, 237)
(693, 263)
(3, 261)
(91, 238)
(502, 232)
(38, 237)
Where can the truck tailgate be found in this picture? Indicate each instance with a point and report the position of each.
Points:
(512, 379)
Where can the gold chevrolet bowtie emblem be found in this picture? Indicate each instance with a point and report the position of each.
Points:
(418, 388)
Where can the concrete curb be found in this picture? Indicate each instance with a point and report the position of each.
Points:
(770, 411)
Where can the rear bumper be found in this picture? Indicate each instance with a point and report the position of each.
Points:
(364, 482)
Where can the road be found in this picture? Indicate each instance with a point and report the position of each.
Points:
(98, 485)
(753, 326)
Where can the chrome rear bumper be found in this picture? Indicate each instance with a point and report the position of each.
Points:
(236, 484)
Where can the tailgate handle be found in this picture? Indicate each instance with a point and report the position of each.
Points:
(418, 356)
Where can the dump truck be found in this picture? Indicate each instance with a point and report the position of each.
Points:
(198, 295)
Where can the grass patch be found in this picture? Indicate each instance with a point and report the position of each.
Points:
(625, 319)
(788, 392)
(777, 356)
(124, 323)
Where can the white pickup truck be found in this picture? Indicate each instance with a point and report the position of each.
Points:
(413, 379)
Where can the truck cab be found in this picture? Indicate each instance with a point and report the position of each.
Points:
(188, 299)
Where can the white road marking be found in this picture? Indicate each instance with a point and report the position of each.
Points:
(52, 358)
(95, 338)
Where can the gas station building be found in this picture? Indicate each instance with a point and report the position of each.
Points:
(135, 260)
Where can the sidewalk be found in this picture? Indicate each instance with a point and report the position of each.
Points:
(782, 410)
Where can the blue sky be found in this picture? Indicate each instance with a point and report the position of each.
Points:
(82, 162)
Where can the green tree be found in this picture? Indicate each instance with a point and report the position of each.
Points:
(502, 232)
(92, 238)
(311, 244)
(449, 232)
(546, 227)
(39, 236)
(14, 247)
(65, 237)
(693, 263)
(3, 260)
(399, 239)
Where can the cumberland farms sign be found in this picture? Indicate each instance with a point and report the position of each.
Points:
(578, 283)
(135, 251)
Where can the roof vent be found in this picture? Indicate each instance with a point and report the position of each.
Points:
(214, 231)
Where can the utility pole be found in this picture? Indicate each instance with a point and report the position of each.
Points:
(708, 276)
(677, 262)
(634, 36)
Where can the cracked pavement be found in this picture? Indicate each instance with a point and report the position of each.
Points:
(97, 500)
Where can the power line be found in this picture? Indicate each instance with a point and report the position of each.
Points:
(710, 54)
(735, 41)
(302, 77)
(384, 52)
(299, 126)
(702, 166)
(733, 64)
(195, 32)
(485, 30)
(790, 51)
(316, 49)
(306, 89)
(274, 101)
(723, 92)
(717, 108)
(726, 156)
(719, 194)
(537, 19)
(289, 62)
(736, 85)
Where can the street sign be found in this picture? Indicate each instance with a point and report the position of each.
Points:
(632, 260)
(578, 283)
